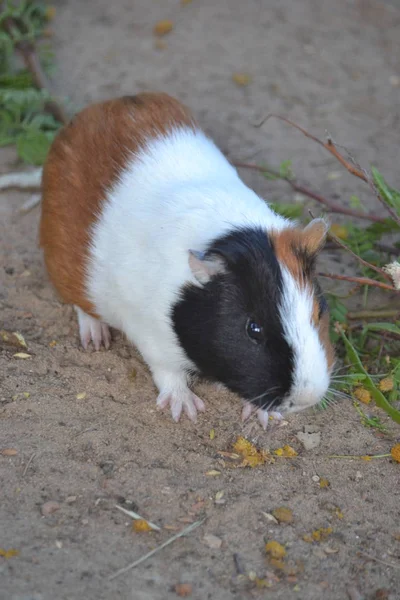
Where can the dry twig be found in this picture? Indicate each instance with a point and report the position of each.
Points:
(350, 165)
(359, 280)
(302, 189)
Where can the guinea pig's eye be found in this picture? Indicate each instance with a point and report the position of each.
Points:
(254, 331)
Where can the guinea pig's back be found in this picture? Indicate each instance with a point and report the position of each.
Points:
(84, 162)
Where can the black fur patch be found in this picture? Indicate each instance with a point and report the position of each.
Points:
(211, 321)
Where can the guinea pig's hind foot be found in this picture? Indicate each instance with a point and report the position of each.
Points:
(92, 330)
(181, 399)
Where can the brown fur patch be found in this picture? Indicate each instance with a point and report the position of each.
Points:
(84, 161)
(323, 332)
(296, 249)
(290, 252)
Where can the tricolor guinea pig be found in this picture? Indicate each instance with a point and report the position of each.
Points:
(146, 227)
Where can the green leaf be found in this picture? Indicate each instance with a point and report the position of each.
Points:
(355, 202)
(285, 169)
(389, 194)
(392, 327)
(33, 146)
(377, 395)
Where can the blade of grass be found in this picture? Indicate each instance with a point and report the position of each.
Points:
(377, 395)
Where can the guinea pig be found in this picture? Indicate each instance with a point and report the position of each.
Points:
(146, 227)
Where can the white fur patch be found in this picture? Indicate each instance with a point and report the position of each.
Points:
(311, 376)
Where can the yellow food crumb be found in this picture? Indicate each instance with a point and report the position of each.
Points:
(318, 535)
(141, 525)
(53, 343)
(366, 457)
(275, 549)
(283, 514)
(163, 27)
(340, 231)
(8, 553)
(50, 13)
(252, 456)
(241, 79)
(362, 395)
(286, 451)
(212, 434)
(395, 452)
(386, 384)
(324, 483)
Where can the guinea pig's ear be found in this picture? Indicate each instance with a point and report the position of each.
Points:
(314, 235)
(204, 267)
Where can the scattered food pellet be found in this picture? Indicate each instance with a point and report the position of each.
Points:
(334, 175)
(362, 395)
(241, 79)
(140, 526)
(53, 343)
(252, 456)
(283, 514)
(219, 495)
(212, 434)
(319, 535)
(324, 482)
(9, 452)
(340, 231)
(21, 355)
(183, 589)
(275, 549)
(13, 338)
(386, 384)
(286, 451)
(50, 507)
(50, 12)
(8, 553)
(395, 452)
(213, 473)
(81, 396)
(163, 27)
(212, 541)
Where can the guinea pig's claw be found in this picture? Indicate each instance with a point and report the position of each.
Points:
(182, 400)
(263, 417)
(276, 415)
(93, 330)
(248, 408)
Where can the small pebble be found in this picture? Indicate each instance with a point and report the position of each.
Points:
(48, 508)
(315, 478)
(183, 589)
(212, 541)
(70, 499)
(394, 80)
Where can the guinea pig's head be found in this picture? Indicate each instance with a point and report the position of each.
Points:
(255, 318)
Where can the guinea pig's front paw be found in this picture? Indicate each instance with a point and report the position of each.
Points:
(263, 415)
(182, 399)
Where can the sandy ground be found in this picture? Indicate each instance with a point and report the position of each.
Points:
(328, 66)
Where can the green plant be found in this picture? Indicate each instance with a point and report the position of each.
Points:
(25, 118)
